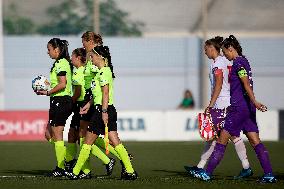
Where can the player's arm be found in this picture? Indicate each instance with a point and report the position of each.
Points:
(218, 86)
(87, 106)
(105, 99)
(242, 73)
(60, 86)
(104, 81)
(77, 92)
(105, 91)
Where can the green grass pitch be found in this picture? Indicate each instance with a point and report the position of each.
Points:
(159, 165)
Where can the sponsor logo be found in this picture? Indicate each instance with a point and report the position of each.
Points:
(191, 124)
(36, 127)
(131, 124)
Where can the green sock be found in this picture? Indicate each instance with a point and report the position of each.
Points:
(82, 139)
(124, 158)
(101, 143)
(99, 154)
(51, 141)
(71, 151)
(86, 167)
(60, 152)
(83, 156)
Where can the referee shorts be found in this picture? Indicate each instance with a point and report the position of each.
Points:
(97, 125)
(60, 109)
(75, 122)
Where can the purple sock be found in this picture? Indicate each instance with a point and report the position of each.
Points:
(216, 157)
(263, 157)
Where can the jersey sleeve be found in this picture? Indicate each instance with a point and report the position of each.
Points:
(94, 69)
(61, 67)
(217, 71)
(241, 70)
(217, 68)
(105, 77)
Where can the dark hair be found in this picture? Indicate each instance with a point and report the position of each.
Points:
(216, 42)
(63, 48)
(233, 42)
(96, 38)
(82, 53)
(104, 52)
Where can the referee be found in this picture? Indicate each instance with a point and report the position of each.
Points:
(104, 113)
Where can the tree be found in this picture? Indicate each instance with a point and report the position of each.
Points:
(75, 16)
(16, 25)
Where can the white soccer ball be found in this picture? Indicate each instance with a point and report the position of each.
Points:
(40, 83)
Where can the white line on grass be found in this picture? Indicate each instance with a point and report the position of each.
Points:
(34, 176)
(17, 176)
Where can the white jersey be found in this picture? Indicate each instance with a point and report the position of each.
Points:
(221, 65)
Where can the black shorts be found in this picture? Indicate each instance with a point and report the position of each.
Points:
(97, 125)
(88, 97)
(75, 122)
(60, 109)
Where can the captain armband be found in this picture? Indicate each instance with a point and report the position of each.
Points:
(242, 72)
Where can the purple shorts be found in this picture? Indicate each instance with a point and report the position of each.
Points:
(240, 119)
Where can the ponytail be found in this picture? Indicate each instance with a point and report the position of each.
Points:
(108, 57)
(104, 52)
(233, 42)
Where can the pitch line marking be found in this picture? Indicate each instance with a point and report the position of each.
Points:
(15, 176)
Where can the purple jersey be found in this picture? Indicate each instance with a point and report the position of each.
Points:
(239, 97)
(242, 113)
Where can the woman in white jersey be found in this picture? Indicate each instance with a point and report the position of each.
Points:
(220, 100)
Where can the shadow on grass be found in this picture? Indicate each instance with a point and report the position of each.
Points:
(173, 173)
(45, 173)
(24, 172)
(215, 177)
(279, 176)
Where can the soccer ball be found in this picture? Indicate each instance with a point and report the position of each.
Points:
(40, 83)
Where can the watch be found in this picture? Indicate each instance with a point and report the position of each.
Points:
(104, 110)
